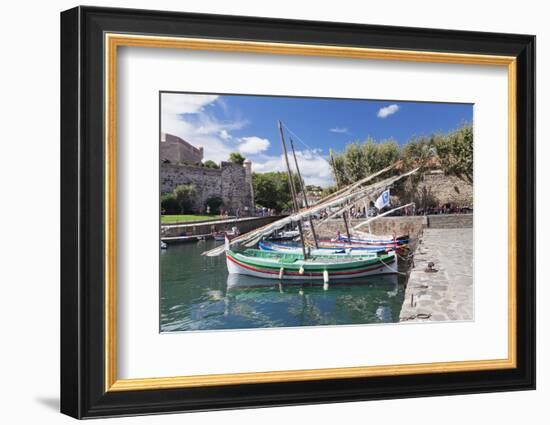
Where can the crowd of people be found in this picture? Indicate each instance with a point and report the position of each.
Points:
(445, 209)
(355, 212)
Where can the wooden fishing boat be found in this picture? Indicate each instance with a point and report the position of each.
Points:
(324, 267)
(341, 199)
(296, 248)
(368, 238)
(287, 235)
(321, 265)
(335, 244)
(220, 236)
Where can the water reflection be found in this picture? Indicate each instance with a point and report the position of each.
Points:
(198, 294)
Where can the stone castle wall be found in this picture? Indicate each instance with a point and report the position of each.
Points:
(383, 226)
(177, 151)
(437, 189)
(412, 225)
(230, 183)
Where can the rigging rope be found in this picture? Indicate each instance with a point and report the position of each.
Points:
(313, 151)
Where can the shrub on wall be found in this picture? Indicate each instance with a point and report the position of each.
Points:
(215, 202)
(168, 204)
(185, 195)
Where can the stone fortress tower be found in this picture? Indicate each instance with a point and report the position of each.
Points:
(180, 164)
(248, 177)
(177, 151)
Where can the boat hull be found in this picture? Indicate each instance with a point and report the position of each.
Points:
(336, 244)
(382, 240)
(297, 249)
(238, 264)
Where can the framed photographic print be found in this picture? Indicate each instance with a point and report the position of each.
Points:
(261, 212)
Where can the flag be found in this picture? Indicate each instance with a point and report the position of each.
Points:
(383, 200)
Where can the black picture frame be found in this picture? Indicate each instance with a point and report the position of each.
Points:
(82, 218)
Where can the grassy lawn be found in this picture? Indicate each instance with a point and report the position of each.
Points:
(186, 217)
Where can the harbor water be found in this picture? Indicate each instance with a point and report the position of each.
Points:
(198, 294)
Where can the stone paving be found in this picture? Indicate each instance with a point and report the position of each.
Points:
(448, 293)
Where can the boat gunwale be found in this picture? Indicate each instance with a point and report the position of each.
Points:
(317, 272)
(354, 263)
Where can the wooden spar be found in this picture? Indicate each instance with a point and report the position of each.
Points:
(356, 185)
(344, 214)
(304, 194)
(340, 211)
(382, 215)
(254, 236)
(292, 189)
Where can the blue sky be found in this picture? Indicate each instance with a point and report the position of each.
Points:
(248, 124)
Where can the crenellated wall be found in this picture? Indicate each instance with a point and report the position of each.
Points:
(229, 182)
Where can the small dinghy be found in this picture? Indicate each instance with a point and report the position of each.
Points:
(220, 236)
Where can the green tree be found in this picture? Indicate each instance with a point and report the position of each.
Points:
(355, 161)
(214, 202)
(328, 191)
(168, 204)
(456, 153)
(210, 164)
(338, 168)
(236, 158)
(185, 195)
(271, 190)
(370, 156)
(361, 159)
(387, 153)
(451, 152)
(418, 152)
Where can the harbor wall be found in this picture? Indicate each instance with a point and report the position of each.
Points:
(411, 225)
(204, 228)
(382, 226)
(435, 188)
(450, 221)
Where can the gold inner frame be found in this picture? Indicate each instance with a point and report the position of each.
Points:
(113, 41)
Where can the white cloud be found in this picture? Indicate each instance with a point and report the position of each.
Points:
(387, 111)
(188, 117)
(253, 145)
(179, 103)
(313, 167)
(184, 115)
(225, 135)
(339, 130)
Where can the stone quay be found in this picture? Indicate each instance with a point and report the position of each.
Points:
(445, 294)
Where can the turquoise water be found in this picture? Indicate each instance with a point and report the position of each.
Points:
(195, 296)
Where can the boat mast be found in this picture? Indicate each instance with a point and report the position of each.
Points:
(304, 193)
(344, 214)
(292, 188)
